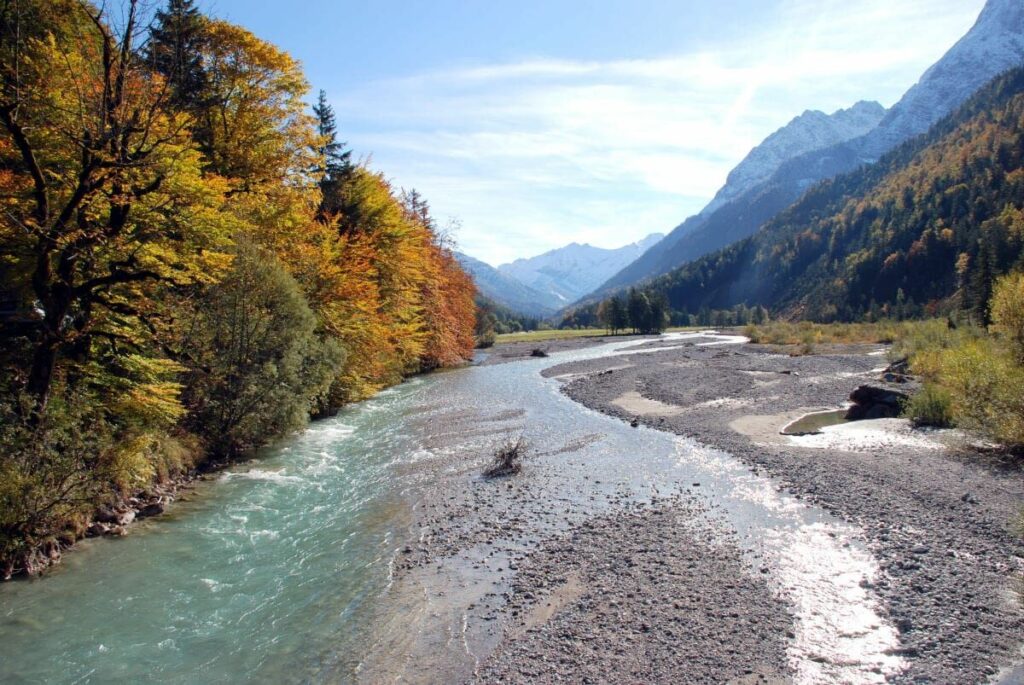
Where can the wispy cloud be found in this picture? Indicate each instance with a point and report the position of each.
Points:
(535, 154)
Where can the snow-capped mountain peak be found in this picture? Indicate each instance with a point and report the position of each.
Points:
(812, 130)
(568, 273)
(993, 45)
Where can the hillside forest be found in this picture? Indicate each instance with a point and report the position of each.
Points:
(947, 205)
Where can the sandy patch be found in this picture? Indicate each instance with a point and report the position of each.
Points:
(765, 429)
(635, 403)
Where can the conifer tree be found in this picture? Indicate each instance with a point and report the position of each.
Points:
(335, 159)
(175, 51)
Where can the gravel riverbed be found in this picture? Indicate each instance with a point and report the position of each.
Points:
(939, 518)
(556, 575)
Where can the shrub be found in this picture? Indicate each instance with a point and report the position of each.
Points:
(486, 339)
(1008, 312)
(54, 470)
(931, 406)
(260, 366)
(985, 384)
(507, 459)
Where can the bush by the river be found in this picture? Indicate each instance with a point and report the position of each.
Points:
(973, 378)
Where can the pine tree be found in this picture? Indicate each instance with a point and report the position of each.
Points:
(174, 50)
(336, 160)
(618, 315)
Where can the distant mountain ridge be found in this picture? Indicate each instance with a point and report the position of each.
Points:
(564, 275)
(994, 45)
(810, 131)
(503, 290)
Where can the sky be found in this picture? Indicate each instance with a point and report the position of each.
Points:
(530, 124)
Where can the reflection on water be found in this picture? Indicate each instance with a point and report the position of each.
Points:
(276, 570)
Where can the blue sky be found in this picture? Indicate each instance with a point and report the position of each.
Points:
(535, 123)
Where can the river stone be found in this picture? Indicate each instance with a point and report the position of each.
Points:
(152, 509)
(871, 402)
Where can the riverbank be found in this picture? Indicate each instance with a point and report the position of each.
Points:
(569, 573)
(939, 519)
(369, 548)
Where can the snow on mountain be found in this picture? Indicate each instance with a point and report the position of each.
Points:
(994, 45)
(812, 130)
(564, 275)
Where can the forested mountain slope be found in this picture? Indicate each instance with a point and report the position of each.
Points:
(993, 45)
(929, 226)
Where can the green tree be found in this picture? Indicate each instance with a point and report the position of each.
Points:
(335, 160)
(175, 51)
(618, 315)
(639, 310)
(259, 365)
(659, 314)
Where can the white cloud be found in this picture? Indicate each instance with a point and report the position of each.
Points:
(533, 155)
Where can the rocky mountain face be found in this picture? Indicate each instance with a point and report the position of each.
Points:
(994, 45)
(503, 290)
(564, 275)
(812, 130)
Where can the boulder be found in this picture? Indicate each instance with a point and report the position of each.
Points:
(538, 353)
(897, 372)
(870, 402)
(152, 509)
(106, 515)
(97, 529)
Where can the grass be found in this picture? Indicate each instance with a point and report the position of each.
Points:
(807, 334)
(566, 334)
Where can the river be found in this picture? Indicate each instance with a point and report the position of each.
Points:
(278, 570)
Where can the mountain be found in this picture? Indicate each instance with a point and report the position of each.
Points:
(564, 275)
(812, 130)
(503, 290)
(948, 205)
(993, 45)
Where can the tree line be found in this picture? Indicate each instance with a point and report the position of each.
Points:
(641, 312)
(192, 264)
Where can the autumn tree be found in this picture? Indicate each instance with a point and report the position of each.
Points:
(100, 222)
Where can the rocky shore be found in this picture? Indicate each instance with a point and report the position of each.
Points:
(550, 576)
(939, 517)
(112, 520)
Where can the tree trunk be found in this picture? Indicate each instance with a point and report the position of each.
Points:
(40, 378)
